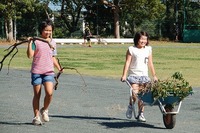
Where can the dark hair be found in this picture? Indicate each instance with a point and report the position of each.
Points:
(138, 36)
(44, 24)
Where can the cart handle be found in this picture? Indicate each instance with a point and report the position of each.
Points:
(131, 95)
(131, 88)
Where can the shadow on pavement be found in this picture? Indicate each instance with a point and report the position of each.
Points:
(14, 123)
(128, 124)
(86, 117)
(112, 122)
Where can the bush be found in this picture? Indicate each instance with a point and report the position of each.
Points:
(175, 86)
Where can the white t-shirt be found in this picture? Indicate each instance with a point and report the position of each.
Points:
(139, 62)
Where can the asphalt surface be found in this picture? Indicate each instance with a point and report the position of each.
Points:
(97, 108)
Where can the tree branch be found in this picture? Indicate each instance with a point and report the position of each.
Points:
(60, 72)
(14, 46)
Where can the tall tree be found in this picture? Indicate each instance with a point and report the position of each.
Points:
(10, 10)
(27, 24)
(71, 13)
(136, 12)
(115, 10)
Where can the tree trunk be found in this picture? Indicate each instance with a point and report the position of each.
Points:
(116, 10)
(9, 30)
(116, 24)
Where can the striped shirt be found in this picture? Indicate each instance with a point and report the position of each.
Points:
(42, 59)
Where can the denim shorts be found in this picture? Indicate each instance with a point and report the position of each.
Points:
(138, 79)
(37, 79)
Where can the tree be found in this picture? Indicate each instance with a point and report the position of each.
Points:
(116, 10)
(161, 18)
(104, 15)
(26, 14)
(192, 13)
(11, 10)
(137, 12)
(133, 12)
(71, 13)
(27, 23)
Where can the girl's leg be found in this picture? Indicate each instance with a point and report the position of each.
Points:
(36, 99)
(48, 87)
(136, 88)
(90, 44)
(140, 106)
(84, 44)
(132, 99)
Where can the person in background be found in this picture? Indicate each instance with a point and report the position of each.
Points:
(87, 35)
(138, 60)
(42, 71)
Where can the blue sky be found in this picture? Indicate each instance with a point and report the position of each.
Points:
(54, 7)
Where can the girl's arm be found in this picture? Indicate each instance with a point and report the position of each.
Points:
(151, 66)
(56, 64)
(55, 61)
(126, 65)
(30, 51)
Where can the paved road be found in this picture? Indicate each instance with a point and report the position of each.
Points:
(100, 107)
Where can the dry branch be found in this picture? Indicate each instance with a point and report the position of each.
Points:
(60, 72)
(14, 46)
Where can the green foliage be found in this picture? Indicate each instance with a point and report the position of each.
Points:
(192, 13)
(13, 9)
(137, 12)
(159, 18)
(70, 13)
(175, 86)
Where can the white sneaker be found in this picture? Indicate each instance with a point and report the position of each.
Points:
(129, 112)
(36, 121)
(45, 116)
(141, 118)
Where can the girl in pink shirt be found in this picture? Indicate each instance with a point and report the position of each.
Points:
(42, 71)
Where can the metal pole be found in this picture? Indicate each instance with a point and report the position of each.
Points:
(176, 25)
(184, 17)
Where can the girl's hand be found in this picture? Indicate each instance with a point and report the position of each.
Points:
(123, 78)
(29, 38)
(61, 70)
(155, 79)
(48, 39)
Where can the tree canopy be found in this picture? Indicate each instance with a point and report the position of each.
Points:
(113, 18)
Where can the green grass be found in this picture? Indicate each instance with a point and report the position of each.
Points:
(107, 61)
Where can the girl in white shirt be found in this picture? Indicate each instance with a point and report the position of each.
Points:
(138, 60)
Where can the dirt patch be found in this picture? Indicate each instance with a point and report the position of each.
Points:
(4, 42)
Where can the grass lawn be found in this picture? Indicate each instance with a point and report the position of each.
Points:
(108, 60)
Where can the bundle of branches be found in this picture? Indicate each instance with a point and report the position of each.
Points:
(13, 47)
(175, 86)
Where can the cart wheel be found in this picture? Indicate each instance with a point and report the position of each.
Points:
(169, 119)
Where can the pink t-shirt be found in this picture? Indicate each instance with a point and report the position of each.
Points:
(42, 59)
